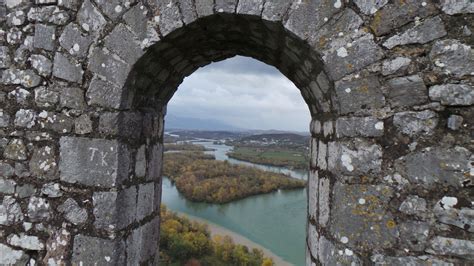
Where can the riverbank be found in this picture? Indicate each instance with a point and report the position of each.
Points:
(238, 239)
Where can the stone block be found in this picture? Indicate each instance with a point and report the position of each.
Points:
(360, 218)
(25, 242)
(113, 8)
(72, 97)
(414, 205)
(136, 19)
(455, 122)
(250, 7)
(441, 166)
(123, 124)
(105, 94)
(225, 6)
(395, 65)
(346, 60)
(122, 42)
(355, 157)
(359, 95)
(7, 186)
(453, 94)
(67, 69)
(447, 246)
(453, 57)
(105, 64)
(43, 163)
(73, 41)
(57, 122)
(414, 235)
(204, 8)
(328, 254)
(42, 64)
(10, 212)
(392, 16)
(73, 212)
(114, 210)
(39, 209)
(93, 162)
(407, 91)
(359, 127)
(5, 60)
(27, 78)
(369, 7)
(52, 190)
(379, 260)
(169, 18)
(4, 119)
(424, 32)
(12, 256)
(45, 37)
(453, 7)
(88, 250)
(83, 124)
(145, 200)
(142, 243)
(275, 10)
(90, 18)
(447, 214)
(416, 123)
(15, 150)
(154, 162)
(140, 162)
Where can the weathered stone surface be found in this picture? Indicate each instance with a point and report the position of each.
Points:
(416, 123)
(46, 97)
(45, 37)
(451, 247)
(90, 19)
(169, 18)
(42, 64)
(115, 210)
(369, 7)
(275, 10)
(455, 122)
(73, 41)
(122, 42)
(145, 200)
(52, 190)
(113, 8)
(105, 94)
(453, 57)
(6, 170)
(25, 191)
(70, 4)
(428, 30)
(73, 212)
(407, 91)
(39, 209)
(112, 69)
(354, 157)
(448, 214)
(136, 19)
(67, 69)
(88, 250)
(359, 94)
(72, 97)
(15, 150)
(141, 243)
(360, 218)
(7, 186)
(414, 235)
(4, 119)
(349, 59)
(453, 94)
(12, 256)
(250, 7)
(48, 14)
(93, 162)
(453, 7)
(440, 166)
(140, 162)
(83, 125)
(10, 212)
(379, 260)
(124, 124)
(25, 241)
(20, 95)
(414, 205)
(359, 127)
(301, 20)
(154, 167)
(26, 78)
(392, 66)
(57, 122)
(204, 7)
(328, 254)
(392, 15)
(43, 163)
(5, 59)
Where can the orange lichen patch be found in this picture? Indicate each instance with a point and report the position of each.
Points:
(364, 89)
(350, 66)
(323, 41)
(391, 224)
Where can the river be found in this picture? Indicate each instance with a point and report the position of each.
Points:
(275, 220)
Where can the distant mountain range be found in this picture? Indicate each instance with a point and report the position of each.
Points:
(176, 123)
(190, 123)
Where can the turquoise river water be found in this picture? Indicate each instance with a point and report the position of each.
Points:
(276, 220)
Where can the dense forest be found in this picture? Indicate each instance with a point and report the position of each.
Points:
(292, 158)
(186, 146)
(184, 242)
(201, 178)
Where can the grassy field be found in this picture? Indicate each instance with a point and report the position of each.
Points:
(277, 156)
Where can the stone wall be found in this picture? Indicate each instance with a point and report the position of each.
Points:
(83, 93)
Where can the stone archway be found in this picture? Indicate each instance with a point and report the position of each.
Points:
(389, 86)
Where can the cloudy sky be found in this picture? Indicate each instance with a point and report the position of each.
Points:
(244, 93)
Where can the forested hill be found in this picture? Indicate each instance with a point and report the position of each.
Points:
(280, 138)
